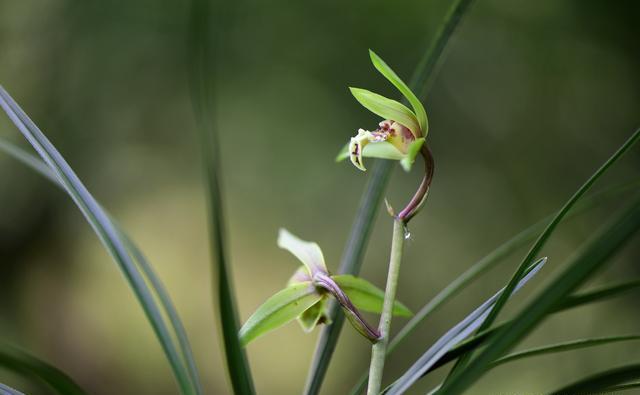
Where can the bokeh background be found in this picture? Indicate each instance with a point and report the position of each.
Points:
(530, 99)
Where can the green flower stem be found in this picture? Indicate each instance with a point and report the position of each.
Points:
(379, 349)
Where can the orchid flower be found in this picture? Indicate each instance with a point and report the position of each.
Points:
(401, 133)
(308, 291)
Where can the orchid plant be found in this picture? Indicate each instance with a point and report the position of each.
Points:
(399, 136)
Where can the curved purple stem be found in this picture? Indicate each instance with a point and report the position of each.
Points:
(325, 282)
(423, 190)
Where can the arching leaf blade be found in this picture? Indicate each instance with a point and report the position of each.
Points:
(157, 286)
(454, 336)
(593, 255)
(280, 309)
(602, 381)
(32, 368)
(104, 229)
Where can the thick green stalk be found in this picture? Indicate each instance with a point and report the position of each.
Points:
(379, 350)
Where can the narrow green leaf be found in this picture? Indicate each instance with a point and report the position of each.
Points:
(366, 296)
(205, 26)
(616, 389)
(389, 74)
(387, 108)
(498, 255)
(105, 230)
(279, 309)
(307, 252)
(570, 302)
(168, 307)
(412, 152)
(454, 336)
(562, 347)
(603, 381)
(139, 259)
(32, 368)
(371, 199)
(587, 260)
(545, 235)
(598, 295)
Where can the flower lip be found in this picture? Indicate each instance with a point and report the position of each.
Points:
(391, 140)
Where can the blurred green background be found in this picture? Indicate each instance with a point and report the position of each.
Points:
(531, 98)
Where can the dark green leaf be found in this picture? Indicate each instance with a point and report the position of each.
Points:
(104, 228)
(587, 260)
(156, 284)
(616, 389)
(544, 236)
(603, 381)
(562, 347)
(570, 302)
(598, 295)
(205, 26)
(33, 368)
(497, 256)
(454, 336)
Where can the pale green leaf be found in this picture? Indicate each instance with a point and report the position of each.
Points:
(387, 108)
(412, 152)
(389, 74)
(366, 296)
(307, 252)
(279, 309)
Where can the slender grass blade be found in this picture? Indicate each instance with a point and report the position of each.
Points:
(545, 235)
(37, 370)
(603, 381)
(454, 336)
(201, 45)
(156, 284)
(104, 228)
(592, 256)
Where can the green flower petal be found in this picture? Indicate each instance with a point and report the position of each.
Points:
(389, 74)
(387, 109)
